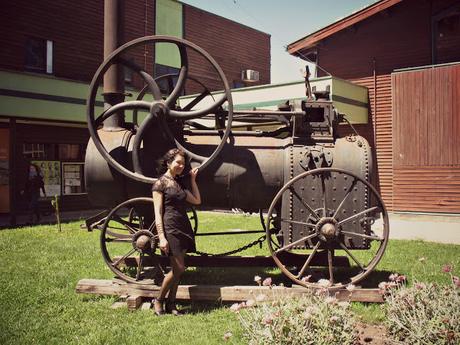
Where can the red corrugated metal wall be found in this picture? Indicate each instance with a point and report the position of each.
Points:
(379, 132)
(426, 139)
(367, 54)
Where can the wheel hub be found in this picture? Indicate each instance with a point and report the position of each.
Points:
(143, 240)
(327, 229)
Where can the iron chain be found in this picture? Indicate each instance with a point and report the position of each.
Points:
(259, 241)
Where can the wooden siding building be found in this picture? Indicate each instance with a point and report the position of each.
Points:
(407, 53)
(50, 52)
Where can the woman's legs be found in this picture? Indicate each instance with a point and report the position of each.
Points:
(170, 281)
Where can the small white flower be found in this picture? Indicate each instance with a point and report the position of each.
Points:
(267, 320)
(344, 304)
(250, 303)
(267, 282)
(258, 279)
(330, 300)
(235, 307)
(227, 336)
(383, 285)
(420, 286)
(393, 277)
(351, 287)
(324, 283)
(306, 279)
(311, 310)
(334, 318)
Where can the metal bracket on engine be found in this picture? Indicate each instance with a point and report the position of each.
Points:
(316, 157)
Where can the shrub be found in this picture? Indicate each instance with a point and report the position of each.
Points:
(312, 319)
(424, 314)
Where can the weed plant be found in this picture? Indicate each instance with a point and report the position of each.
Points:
(425, 313)
(313, 319)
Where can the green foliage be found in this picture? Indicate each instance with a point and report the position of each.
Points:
(313, 319)
(424, 314)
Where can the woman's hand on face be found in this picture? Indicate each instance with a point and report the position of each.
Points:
(193, 173)
(164, 245)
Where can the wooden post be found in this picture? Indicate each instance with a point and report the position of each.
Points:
(55, 204)
(134, 302)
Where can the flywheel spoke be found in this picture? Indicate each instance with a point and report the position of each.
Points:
(298, 222)
(118, 239)
(123, 257)
(197, 100)
(346, 220)
(128, 225)
(139, 266)
(369, 237)
(307, 262)
(323, 187)
(304, 203)
(128, 105)
(293, 244)
(330, 255)
(352, 256)
(345, 198)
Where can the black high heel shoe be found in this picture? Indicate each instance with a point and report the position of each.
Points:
(171, 308)
(158, 306)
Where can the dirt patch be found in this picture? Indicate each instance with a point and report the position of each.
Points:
(372, 334)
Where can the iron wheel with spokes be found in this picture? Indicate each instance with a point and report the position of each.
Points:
(323, 219)
(129, 242)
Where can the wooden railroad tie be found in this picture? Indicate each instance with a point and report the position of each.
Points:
(138, 295)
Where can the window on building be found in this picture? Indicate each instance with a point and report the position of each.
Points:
(39, 55)
(446, 35)
(237, 84)
(71, 152)
(37, 150)
(166, 85)
(73, 178)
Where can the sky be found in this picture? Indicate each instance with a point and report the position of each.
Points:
(286, 21)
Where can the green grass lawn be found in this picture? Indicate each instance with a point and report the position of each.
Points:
(40, 268)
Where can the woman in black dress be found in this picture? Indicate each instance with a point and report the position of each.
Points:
(173, 226)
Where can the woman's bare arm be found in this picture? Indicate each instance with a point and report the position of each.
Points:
(158, 212)
(193, 196)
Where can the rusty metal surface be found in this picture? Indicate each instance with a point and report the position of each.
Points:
(321, 224)
(113, 79)
(314, 183)
(105, 186)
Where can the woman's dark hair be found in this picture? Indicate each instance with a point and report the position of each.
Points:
(169, 157)
(37, 168)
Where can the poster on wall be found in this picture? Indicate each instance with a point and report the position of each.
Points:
(72, 174)
(51, 171)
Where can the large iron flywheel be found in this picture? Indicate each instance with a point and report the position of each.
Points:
(160, 109)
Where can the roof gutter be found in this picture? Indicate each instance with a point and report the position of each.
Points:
(311, 40)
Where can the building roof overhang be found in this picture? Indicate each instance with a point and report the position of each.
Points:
(314, 38)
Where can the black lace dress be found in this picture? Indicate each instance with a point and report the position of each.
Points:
(176, 224)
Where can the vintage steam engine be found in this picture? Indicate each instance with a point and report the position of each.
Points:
(323, 218)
